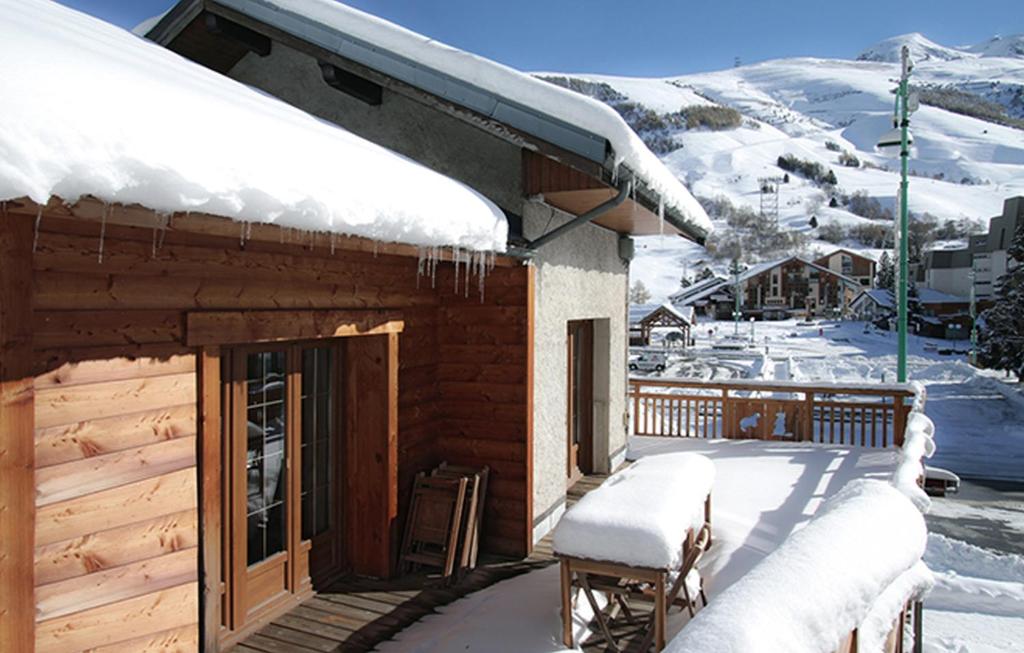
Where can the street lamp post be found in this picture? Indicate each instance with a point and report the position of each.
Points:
(905, 104)
(736, 297)
(901, 352)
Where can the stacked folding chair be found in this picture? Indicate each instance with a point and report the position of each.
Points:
(443, 528)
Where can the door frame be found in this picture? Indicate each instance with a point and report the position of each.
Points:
(580, 456)
(211, 332)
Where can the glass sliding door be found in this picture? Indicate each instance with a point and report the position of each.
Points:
(282, 491)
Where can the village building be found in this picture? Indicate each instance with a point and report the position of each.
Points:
(981, 263)
(851, 264)
(230, 328)
(778, 289)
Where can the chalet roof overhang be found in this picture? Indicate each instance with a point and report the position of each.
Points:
(238, 27)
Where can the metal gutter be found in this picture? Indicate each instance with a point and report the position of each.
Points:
(530, 247)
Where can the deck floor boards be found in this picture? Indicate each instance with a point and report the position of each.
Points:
(355, 614)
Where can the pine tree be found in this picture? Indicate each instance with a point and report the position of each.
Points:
(1002, 325)
(833, 203)
(639, 294)
(814, 222)
(685, 282)
(885, 278)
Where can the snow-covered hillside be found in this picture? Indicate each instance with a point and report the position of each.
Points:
(820, 110)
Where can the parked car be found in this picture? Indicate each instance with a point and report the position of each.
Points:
(648, 362)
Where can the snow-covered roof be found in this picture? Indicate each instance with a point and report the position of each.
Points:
(91, 109)
(932, 296)
(879, 296)
(685, 295)
(486, 86)
(637, 312)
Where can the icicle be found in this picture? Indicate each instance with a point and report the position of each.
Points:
(280, 233)
(103, 231)
(248, 231)
(434, 253)
(332, 243)
(455, 259)
(35, 235)
(481, 273)
(376, 245)
(241, 235)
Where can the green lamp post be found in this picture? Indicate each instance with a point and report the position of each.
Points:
(900, 136)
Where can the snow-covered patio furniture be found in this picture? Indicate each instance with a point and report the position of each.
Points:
(638, 536)
(841, 583)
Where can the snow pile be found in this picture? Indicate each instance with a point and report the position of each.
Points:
(977, 603)
(90, 109)
(918, 444)
(568, 106)
(640, 516)
(854, 564)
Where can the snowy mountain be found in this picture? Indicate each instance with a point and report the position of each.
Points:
(921, 49)
(1000, 46)
(721, 132)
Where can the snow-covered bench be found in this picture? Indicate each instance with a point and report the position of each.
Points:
(638, 527)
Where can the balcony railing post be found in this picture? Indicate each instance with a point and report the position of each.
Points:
(808, 434)
(727, 417)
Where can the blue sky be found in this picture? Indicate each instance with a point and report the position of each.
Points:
(659, 37)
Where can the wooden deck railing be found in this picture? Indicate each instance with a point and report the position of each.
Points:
(857, 415)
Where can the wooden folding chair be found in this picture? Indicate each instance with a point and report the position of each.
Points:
(435, 519)
(472, 519)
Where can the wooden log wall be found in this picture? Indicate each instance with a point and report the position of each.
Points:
(116, 557)
(484, 379)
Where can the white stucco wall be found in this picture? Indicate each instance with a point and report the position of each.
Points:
(578, 277)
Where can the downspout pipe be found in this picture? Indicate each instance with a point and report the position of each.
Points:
(581, 219)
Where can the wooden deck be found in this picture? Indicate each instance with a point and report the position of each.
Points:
(356, 614)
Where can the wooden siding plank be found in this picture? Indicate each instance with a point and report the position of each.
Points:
(57, 406)
(161, 611)
(98, 437)
(115, 547)
(81, 477)
(175, 640)
(119, 506)
(17, 502)
(118, 584)
(57, 329)
(115, 369)
(244, 327)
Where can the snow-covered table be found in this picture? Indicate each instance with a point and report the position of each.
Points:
(639, 527)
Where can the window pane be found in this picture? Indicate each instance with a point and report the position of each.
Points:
(266, 453)
(317, 431)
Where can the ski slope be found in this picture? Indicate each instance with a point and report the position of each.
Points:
(962, 167)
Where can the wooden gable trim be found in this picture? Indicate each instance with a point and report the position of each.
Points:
(206, 328)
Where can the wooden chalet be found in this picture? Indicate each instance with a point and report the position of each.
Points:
(203, 420)
(850, 264)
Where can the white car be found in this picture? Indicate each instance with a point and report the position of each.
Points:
(648, 362)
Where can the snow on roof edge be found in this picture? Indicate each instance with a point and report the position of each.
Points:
(493, 77)
(150, 128)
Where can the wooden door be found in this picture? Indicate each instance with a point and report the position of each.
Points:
(580, 399)
(283, 504)
(262, 431)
